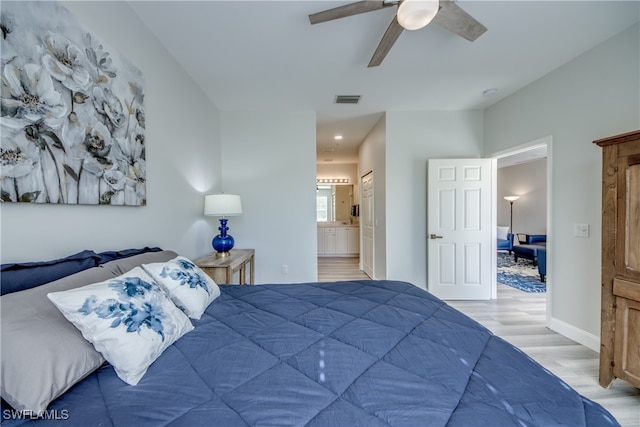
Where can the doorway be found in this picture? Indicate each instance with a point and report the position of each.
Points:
(525, 172)
(367, 222)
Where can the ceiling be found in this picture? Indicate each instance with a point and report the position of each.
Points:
(265, 55)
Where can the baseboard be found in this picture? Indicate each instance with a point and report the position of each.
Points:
(581, 337)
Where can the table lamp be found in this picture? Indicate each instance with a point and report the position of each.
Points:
(222, 205)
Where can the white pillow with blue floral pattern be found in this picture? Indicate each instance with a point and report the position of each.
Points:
(190, 288)
(128, 319)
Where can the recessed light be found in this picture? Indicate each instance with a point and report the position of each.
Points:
(337, 137)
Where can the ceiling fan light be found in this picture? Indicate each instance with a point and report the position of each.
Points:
(416, 14)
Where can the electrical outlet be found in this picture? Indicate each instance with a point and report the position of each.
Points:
(581, 230)
(285, 269)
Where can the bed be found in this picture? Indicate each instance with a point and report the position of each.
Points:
(352, 353)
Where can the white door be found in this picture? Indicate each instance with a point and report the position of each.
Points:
(459, 229)
(353, 240)
(366, 223)
(321, 249)
(342, 239)
(330, 240)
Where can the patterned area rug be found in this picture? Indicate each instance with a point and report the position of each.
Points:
(520, 275)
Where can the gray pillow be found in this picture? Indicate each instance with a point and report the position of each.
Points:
(121, 266)
(43, 354)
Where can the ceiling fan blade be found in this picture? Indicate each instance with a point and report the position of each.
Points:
(347, 10)
(389, 38)
(456, 20)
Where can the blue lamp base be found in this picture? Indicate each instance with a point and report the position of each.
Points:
(223, 242)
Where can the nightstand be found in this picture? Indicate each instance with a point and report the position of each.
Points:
(222, 269)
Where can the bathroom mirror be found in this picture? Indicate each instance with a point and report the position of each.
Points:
(333, 203)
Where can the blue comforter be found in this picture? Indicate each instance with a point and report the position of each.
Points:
(363, 353)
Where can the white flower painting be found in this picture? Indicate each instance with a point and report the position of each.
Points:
(72, 114)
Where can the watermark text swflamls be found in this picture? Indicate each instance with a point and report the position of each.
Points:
(48, 414)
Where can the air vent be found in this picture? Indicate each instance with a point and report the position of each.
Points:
(347, 99)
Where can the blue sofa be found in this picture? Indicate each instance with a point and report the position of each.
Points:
(506, 244)
(542, 263)
(534, 249)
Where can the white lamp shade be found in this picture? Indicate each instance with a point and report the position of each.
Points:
(415, 14)
(511, 198)
(222, 205)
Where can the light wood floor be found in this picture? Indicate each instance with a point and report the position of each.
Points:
(519, 318)
(331, 269)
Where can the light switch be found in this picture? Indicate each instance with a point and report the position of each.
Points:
(581, 230)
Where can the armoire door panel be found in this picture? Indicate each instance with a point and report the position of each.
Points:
(627, 353)
(632, 217)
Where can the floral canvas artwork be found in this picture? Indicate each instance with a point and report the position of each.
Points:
(72, 123)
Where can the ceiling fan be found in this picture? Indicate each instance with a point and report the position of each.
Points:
(411, 15)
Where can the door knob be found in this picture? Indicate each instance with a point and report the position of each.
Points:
(433, 237)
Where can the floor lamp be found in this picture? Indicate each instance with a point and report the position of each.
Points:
(511, 199)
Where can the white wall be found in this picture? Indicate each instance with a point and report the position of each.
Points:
(182, 156)
(412, 138)
(529, 181)
(270, 160)
(594, 96)
(371, 158)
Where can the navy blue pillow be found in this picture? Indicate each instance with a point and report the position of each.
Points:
(18, 277)
(126, 253)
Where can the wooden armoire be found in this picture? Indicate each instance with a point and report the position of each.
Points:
(620, 316)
